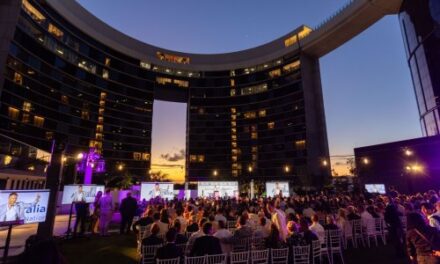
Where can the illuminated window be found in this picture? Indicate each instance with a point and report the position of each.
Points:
(49, 135)
(233, 110)
(107, 62)
(201, 158)
(253, 128)
(64, 99)
(262, 113)
(254, 157)
(254, 89)
(300, 144)
(85, 65)
(292, 66)
(99, 128)
(162, 80)
(271, 125)
(250, 115)
(234, 137)
(233, 130)
(232, 82)
(254, 135)
(233, 124)
(32, 11)
(13, 113)
(300, 35)
(235, 173)
(145, 65)
(234, 151)
(145, 156)
(38, 121)
(55, 31)
(234, 144)
(172, 58)
(137, 155)
(192, 158)
(232, 92)
(181, 83)
(234, 158)
(27, 106)
(233, 117)
(105, 74)
(18, 78)
(25, 118)
(85, 114)
(254, 149)
(275, 73)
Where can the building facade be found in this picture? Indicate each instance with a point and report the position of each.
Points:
(420, 24)
(251, 114)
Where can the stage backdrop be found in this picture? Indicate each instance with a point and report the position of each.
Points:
(274, 188)
(217, 189)
(72, 193)
(153, 190)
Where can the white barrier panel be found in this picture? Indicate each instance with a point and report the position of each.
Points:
(80, 193)
(151, 190)
(23, 206)
(375, 188)
(217, 189)
(277, 188)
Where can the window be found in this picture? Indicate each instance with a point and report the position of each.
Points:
(85, 65)
(254, 135)
(18, 78)
(262, 113)
(172, 58)
(192, 158)
(232, 92)
(233, 110)
(27, 106)
(25, 118)
(271, 125)
(38, 121)
(64, 99)
(55, 31)
(254, 89)
(49, 135)
(145, 65)
(275, 73)
(32, 11)
(201, 158)
(254, 149)
(291, 66)
(234, 144)
(13, 113)
(201, 111)
(105, 74)
(232, 82)
(137, 155)
(181, 83)
(145, 156)
(107, 62)
(250, 115)
(162, 80)
(305, 31)
(300, 144)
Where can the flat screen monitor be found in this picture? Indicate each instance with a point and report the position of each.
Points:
(276, 188)
(80, 193)
(23, 206)
(375, 188)
(152, 190)
(217, 189)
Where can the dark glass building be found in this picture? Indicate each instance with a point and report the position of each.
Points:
(420, 23)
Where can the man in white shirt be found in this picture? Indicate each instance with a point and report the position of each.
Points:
(279, 219)
(366, 218)
(79, 196)
(219, 216)
(14, 210)
(223, 234)
(317, 228)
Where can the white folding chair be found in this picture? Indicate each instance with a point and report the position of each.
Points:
(279, 256)
(357, 231)
(139, 237)
(182, 247)
(216, 259)
(371, 232)
(257, 243)
(195, 260)
(316, 251)
(260, 256)
(240, 257)
(168, 261)
(301, 254)
(348, 234)
(379, 223)
(148, 253)
(334, 244)
(324, 252)
(241, 245)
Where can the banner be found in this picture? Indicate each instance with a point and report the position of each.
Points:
(277, 188)
(217, 189)
(80, 193)
(151, 190)
(375, 188)
(23, 206)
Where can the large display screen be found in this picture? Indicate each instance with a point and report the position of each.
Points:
(23, 206)
(375, 188)
(217, 189)
(151, 190)
(277, 188)
(80, 193)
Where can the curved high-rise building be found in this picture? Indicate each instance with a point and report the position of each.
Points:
(420, 23)
(252, 114)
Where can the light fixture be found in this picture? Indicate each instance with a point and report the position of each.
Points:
(120, 167)
(324, 163)
(250, 169)
(215, 173)
(366, 161)
(286, 168)
(408, 152)
(80, 156)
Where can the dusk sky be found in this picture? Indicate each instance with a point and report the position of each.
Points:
(368, 93)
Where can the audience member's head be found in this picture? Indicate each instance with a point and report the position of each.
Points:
(171, 235)
(207, 228)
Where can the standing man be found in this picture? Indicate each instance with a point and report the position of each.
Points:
(106, 214)
(279, 219)
(127, 209)
(81, 210)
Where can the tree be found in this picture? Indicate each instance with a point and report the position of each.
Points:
(158, 176)
(351, 165)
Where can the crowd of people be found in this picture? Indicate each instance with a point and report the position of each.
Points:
(204, 225)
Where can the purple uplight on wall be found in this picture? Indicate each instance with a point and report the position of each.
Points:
(90, 162)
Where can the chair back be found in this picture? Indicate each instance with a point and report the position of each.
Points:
(260, 256)
(279, 256)
(148, 252)
(257, 243)
(216, 259)
(316, 249)
(357, 226)
(240, 257)
(301, 254)
(334, 239)
(195, 260)
(241, 244)
(168, 261)
(182, 247)
(232, 224)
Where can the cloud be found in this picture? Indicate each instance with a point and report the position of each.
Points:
(173, 157)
